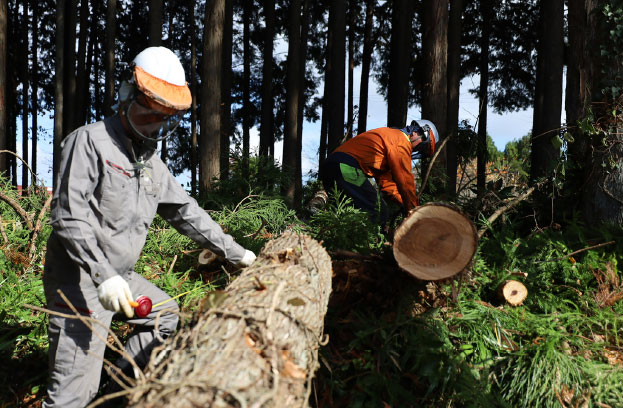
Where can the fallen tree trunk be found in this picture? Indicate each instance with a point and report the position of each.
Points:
(257, 343)
(436, 241)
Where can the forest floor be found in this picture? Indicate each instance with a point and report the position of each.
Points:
(395, 341)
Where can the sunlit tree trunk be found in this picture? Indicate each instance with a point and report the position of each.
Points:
(109, 56)
(399, 62)
(291, 153)
(226, 84)
(210, 115)
(366, 58)
(435, 87)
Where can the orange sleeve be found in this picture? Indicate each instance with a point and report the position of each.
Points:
(388, 186)
(399, 163)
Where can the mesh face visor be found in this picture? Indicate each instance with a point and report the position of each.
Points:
(427, 147)
(151, 124)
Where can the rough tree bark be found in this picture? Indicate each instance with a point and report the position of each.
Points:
(257, 345)
(210, 113)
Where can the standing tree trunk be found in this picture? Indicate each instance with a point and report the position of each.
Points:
(193, 93)
(399, 62)
(548, 90)
(246, 88)
(335, 104)
(366, 58)
(210, 135)
(109, 57)
(298, 193)
(454, 83)
(351, 67)
(35, 87)
(267, 138)
(256, 344)
(483, 100)
(69, 91)
(291, 154)
(579, 77)
(226, 122)
(58, 88)
(82, 80)
(91, 65)
(155, 23)
(324, 127)
(4, 168)
(435, 58)
(25, 80)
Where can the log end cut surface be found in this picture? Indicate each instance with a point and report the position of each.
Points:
(513, 292)
(435, 242)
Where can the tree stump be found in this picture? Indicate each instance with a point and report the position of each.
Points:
(436, 241)
(512, 292)
(257, 343)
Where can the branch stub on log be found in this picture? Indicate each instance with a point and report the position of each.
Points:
(435, 242)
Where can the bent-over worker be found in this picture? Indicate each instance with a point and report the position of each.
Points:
(110, 187)
(385, 154)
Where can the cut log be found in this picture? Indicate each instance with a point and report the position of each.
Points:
(513, 292)
(436, 241)
(206, 257)
(257, 343)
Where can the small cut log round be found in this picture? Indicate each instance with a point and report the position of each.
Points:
(436, 241)
(254, 344)
(513, 292)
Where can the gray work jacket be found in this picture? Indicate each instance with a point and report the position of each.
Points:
(106, 199)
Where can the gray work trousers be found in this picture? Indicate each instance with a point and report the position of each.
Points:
(76, 352)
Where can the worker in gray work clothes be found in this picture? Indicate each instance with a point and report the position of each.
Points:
(110, 187)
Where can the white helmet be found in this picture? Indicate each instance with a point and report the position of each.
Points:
(430, 137)
(156, 110)
(159, 74)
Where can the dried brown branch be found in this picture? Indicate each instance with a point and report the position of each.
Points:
(18, 208)
(430, 166)
(503, 209)
(37, 228)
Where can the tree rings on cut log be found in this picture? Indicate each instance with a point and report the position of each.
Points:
(435, 242)
(513, 292)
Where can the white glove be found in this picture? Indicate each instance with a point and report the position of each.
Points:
(115, 294)
(247, 259)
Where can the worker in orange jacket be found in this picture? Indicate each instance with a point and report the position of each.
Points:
(385, 154)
